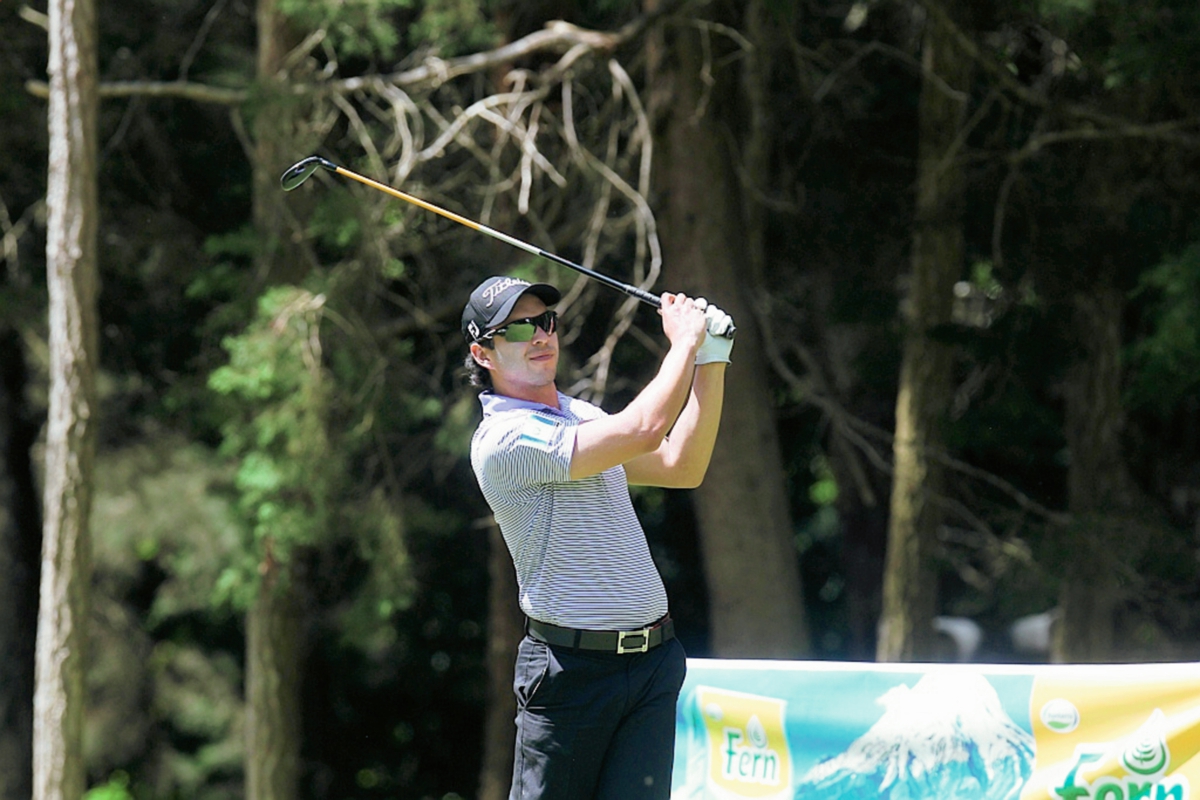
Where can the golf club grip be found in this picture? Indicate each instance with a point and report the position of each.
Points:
(629, 289)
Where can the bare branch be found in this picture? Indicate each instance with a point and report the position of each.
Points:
(185, 90)
(431, 74)
(364, 137)
(905, 58)
(1162, 131)
(194, 48)
(404, 110)
(557, 36)
(860, 431)
(35, 17)
(10, 238)
(502, 145)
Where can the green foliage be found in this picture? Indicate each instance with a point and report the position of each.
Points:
(116, 788)
(287, 469)
(454, 27)
(824, 489)
(335, 223)
(369, 28)
(191, 539)
(159, 676)
(373, 28)
(1167, 361)
(306, 399)
(366, 622)
(354, 27)
(242, 242)
(223, 282)
(983, 277)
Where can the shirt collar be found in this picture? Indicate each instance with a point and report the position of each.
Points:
(497, 403)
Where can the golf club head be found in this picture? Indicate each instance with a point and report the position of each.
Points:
(299, 172)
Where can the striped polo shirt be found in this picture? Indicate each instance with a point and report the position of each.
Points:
(580, 553)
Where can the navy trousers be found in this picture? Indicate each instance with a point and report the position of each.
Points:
(593, 725)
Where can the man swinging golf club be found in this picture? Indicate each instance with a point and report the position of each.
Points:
(599, 671)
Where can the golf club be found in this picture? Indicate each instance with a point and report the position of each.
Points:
(299, 172)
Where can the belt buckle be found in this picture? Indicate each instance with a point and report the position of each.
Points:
(637, 648)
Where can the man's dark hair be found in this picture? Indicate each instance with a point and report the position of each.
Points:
(477, 375)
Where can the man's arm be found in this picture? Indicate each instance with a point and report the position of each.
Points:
(640, 428)
(681, 461)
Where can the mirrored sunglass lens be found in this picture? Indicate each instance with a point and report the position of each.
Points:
(523, 330)
(519, 331)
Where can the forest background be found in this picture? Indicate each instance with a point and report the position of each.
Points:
(959, 240)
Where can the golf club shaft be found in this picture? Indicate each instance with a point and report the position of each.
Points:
(628, 289)
(302, 170)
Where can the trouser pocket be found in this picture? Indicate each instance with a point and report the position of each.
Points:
(529, 673)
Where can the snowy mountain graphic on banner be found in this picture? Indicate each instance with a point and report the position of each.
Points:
(948, 737)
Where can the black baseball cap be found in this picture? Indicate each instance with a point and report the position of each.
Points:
(493, 300)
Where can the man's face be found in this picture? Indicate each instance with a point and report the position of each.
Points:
(521, 365)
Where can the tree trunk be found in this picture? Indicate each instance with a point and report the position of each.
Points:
(20, 541)
(273, 683)
(281, 258)
(505, 629)
(910, 597)
(275, 641)
(863, 522)
(755, 600)
(71, 201)
(1100, 492)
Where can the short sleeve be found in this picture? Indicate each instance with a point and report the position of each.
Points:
(525, 450)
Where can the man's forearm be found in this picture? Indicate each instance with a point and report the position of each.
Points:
(663, 399)
(690, 443)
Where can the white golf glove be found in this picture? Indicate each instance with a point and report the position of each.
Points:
(716, 345)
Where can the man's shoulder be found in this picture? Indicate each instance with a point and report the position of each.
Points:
(522, 445)
(498, 425)
(505, 425)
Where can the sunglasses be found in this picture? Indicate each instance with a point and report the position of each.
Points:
(523, 330)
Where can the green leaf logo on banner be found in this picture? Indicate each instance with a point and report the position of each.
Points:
(1147, 753)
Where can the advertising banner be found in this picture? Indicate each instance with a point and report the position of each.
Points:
(789, 730)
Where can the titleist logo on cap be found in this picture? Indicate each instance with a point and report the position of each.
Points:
(500, 287)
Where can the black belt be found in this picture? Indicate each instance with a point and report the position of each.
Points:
(638, 641)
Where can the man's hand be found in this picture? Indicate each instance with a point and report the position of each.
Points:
(716, 345)
(684, 321)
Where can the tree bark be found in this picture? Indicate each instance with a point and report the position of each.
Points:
(505, 629)
(20, 542)
(1101, 495)
(910, 596)
(273, 683)
(71, 201)
(750, 562)
(275, 637)
(282, 258)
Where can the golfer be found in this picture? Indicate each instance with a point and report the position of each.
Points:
(599, 671)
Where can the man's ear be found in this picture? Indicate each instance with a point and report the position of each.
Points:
(481, 355)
